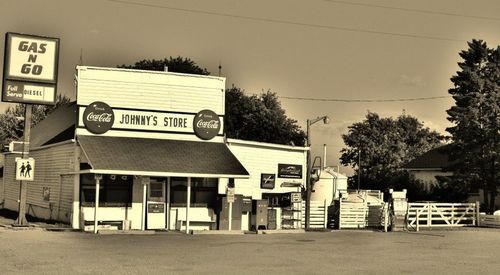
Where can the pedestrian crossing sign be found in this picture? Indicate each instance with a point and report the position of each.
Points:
(25, 169)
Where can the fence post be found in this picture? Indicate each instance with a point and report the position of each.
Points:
(325, 215)
(386, 218)
(429, 215)
(340, 213)
(478, 216)
(453, 214)
(417, 220)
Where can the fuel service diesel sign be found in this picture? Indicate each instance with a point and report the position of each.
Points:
(30, 69)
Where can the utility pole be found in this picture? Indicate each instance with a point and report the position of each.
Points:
(308, 177)
(21, 219)
(310, 122)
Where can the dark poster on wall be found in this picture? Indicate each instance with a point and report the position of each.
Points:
(289, 171)
(267, 181)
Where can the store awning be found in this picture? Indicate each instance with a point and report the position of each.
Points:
(160, 157)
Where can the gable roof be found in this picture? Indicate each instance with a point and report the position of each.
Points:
(437, 158)
(49, 130)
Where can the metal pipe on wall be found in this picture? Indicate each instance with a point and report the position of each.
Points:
(324, 157)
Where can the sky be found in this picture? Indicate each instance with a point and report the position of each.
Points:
(322, 49)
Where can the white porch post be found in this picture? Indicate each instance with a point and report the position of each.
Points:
(144, 202)
(188, 203)
(75, 213)
(96, 206)
(168, 203)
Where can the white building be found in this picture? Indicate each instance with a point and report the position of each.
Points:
(143, 144)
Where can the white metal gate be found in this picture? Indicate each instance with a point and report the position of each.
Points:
(431, 214)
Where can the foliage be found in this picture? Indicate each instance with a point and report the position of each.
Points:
(260, 118)
(476, 118)
(450, 189)
(385, 145)
(12, 127)
(446, 189)
(178, 65)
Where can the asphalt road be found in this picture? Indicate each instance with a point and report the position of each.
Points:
(340, 252)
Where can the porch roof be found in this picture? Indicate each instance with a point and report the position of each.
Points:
(160, 157)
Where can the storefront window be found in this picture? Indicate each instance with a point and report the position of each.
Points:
(114, 191)
(277, 199)
(203, 192)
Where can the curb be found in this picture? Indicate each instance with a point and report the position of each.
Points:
(287, 231)
(218, 232)
(20, 228)
(122, 232)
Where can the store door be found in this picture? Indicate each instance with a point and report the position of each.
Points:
(156, 209)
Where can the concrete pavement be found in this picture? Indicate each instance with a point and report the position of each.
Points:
(340, 252)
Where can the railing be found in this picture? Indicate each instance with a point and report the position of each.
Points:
(431, 214)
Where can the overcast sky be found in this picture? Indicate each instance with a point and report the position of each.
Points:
(352, 49)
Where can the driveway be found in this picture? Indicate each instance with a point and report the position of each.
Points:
(341, 252)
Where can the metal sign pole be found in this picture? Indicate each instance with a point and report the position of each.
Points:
(21, 219)
(230, 215)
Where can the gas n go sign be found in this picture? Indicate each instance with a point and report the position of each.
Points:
(30, 69)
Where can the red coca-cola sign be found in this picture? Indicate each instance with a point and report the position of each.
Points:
(206, 124)
(98, 117)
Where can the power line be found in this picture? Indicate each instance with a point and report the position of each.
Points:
(365, 100)
(413, 10)
(287, 22)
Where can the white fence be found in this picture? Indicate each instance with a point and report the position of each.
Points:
(352, 215)
(489, 220)
(318, 214)
(442, 214)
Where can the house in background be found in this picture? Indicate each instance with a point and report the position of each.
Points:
(429, 165)
(434, 163)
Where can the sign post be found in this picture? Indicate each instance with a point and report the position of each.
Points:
(21, 219)
(29, 77)
(230, 200)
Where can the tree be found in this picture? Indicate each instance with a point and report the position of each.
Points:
(178, 65)
(12, 126)
(256, 118)
(385, 146)
(259, 118)
(476, 119)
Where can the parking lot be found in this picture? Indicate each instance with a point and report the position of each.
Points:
(465, 251)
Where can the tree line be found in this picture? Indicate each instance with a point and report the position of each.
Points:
(376, 148)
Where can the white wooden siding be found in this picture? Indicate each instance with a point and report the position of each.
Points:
(258, 159)
(50, 163)
(150, 90)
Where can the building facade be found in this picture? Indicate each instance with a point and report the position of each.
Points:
(147, 150)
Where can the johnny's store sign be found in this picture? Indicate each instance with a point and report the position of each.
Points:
(99, 117)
